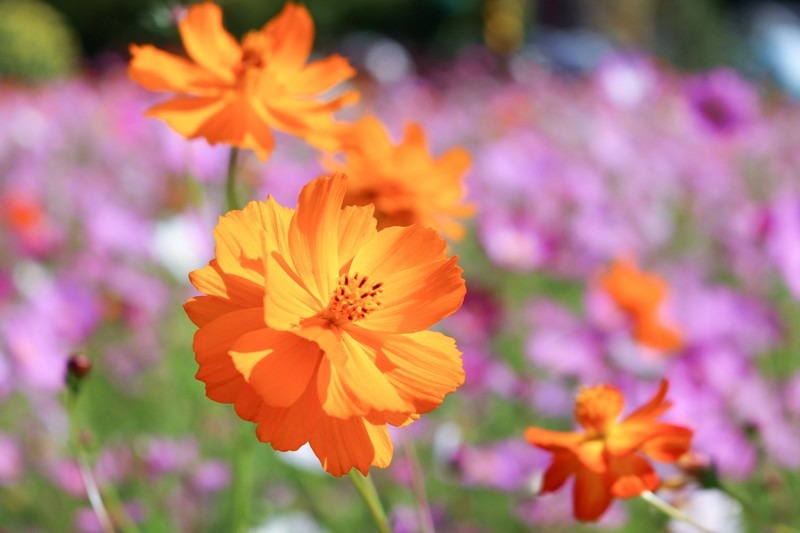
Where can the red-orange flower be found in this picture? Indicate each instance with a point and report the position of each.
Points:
(608, 457)
(235, 93)
(641, 296)
(404, 182)
(313, 324)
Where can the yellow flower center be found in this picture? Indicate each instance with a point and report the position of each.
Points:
(354, 298)
(597, 408)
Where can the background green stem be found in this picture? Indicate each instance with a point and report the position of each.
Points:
(369, 494)
(242, 481)
(671, 511)
(231, 198)
(418, 484)
(92, 492)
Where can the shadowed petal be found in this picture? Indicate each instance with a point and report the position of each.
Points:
(277, 365)
(342, 445)
(211, 345)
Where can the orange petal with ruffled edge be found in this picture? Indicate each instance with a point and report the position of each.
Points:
(422, 367)
(208, 43)
(349, 383)
(289, 428)
(290, 35)
(211, 345)
(420, 287)
(342, 445)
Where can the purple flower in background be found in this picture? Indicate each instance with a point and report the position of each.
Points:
(210, 476)
(722, 102)
(783, 240)
(11, 461)
(507, 465)
(164, 456)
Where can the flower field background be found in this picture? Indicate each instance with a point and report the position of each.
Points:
(693, 178)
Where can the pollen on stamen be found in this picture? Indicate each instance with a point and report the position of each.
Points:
(350, 301)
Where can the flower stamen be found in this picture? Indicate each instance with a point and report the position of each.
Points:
(353, 299)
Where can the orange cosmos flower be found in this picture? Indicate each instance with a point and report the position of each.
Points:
(608, 457)
(235, 93)
(404, 182)
(641, 296)
(313, 325)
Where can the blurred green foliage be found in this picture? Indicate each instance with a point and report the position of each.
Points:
(111, 26)
(37, 42)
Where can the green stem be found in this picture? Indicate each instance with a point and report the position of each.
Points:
(671, 511)
(369, 494)
(92, 492)
(231, 198)
(242, 481)
(418, 484)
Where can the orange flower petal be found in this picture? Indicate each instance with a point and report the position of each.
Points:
(289, 428)
(240, 237)
(241, 122)
(287, 301)
(357, 225)
(553, 441)
(203, 309)
(350, 383)
(322, 75)
(633, 290)
(631, 476)
(243, 290)
(591, 495)
(563, 466)
(592, 455)
(416, 298)
(211, 345)
(291, 35)
(673, 442)
(208, 43)
(277, 365)
(655, 407)
(187, 114)
(423, 367)
(313, 234)
(381, 258)
(651, 331)
(342, 445)
(157, 70)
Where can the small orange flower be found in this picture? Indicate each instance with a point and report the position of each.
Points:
(235, 93)
(608, 457)
(313, 324)
(641, 296)
(404, 182)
